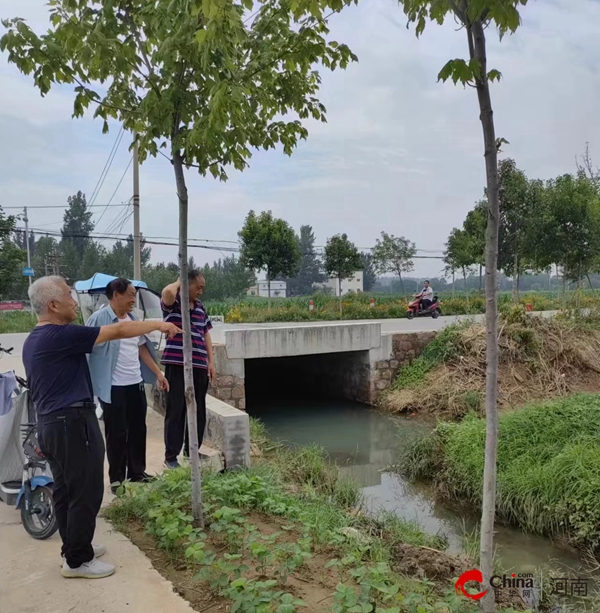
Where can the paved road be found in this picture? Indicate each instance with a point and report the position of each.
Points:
(30, 580)
(388, 326)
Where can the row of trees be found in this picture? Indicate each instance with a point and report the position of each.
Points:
(542, 224)
(268, 244)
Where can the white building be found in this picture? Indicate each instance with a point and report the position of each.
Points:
(278, 289)
(352, 284)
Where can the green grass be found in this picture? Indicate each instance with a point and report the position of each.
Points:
(442, 348)
(357, 306)
(17, 321)
(548, 465)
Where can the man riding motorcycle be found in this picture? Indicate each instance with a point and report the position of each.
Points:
(426, 296)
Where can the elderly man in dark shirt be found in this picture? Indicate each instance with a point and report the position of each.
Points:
(54, 356)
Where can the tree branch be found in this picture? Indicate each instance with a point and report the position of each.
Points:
(138, 40)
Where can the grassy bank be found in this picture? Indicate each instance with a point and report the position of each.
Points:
(548, 466)
(540, 359)
(287, 536)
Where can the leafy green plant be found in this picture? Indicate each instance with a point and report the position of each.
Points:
(548, 465)
(441, 349)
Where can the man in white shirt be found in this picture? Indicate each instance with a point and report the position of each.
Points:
(426, 296)
(119, 370)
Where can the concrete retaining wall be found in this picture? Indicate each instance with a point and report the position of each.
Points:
(227, 429)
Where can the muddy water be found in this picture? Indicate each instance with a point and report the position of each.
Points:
(364, 443)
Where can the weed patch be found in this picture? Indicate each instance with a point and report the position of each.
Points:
(539, 359)
(548, 466)
(285, 537)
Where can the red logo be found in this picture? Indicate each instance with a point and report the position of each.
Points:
(470, 575)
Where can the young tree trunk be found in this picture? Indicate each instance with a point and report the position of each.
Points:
(480, 277)
(268, 291)
(340, 295)
(453, 284)
(402, 286)
(590, 281)
(477, 48)
(515, 288)
(188, 377)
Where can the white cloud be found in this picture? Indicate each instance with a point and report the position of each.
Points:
(399, 152)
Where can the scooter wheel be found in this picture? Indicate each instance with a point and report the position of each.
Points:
(435, 314)
(42, 524)
(410, 314)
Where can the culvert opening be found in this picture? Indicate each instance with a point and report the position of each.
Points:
(289, 380)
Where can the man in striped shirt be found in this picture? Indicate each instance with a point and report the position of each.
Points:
(202, 359)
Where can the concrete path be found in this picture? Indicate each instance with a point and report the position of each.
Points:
(30, 580)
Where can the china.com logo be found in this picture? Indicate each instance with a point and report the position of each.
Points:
(524, 580)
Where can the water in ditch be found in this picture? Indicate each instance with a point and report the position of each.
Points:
(364, 442)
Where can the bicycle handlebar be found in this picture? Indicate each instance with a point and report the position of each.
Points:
(9, 351)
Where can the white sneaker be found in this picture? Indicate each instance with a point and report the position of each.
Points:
(99, 551)
(94, 569)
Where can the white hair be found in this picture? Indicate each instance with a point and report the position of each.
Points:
(43, 291)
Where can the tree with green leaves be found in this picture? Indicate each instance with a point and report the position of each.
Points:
(206, 80)
(227, 278)
(476, 19)
(394, 254)
(12, 259)
(77, 223)
(310, 272)
(369, 272)
(341, 260)
(567, 231)
(458, 254)
(474, 227)
(158, 276)
(517, 214)
(269, 244)
(119, 260)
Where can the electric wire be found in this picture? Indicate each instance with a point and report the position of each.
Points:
(107, 165)
(115, 192)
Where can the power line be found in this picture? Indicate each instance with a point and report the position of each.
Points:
(116, 189)
(107, 165)
(57, 206)
(116, 237)
(117, 220)
(121, 236)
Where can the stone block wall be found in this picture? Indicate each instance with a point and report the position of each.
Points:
(230, 389)
(357, 375)
(229, 386)
(405, 347)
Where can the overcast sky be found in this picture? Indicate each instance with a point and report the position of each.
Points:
(400, 152)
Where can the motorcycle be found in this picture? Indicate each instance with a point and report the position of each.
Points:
(414, 309)
(34, 490)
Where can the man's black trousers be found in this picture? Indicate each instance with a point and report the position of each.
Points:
(125, 430)
(72, 443)
(175, 418)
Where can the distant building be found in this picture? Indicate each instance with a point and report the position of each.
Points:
(278, 289)
(352, 284)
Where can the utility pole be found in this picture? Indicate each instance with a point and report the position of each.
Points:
(137, 248)
(26, 220)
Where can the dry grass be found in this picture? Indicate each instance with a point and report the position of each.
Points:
(539, 359)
